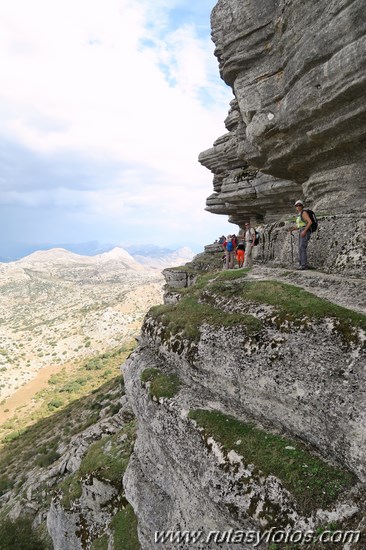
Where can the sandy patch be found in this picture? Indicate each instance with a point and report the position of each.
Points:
(23, 397)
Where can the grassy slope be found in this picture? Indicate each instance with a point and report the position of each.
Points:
(66, 387)
(32, 447)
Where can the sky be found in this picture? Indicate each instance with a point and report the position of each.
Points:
(105, 106)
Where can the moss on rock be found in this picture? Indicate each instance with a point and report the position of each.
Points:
(312, 482)
(161, 385)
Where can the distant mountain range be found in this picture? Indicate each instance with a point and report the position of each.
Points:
(131, 257)
(91, 248)
(64, 307)
(160, 258)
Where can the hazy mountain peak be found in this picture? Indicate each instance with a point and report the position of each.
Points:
(158, 258)
(51, 255)
(119, 257)
(117, 253)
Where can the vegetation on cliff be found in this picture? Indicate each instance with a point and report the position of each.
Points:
(160, 384)
(191, 312)
(204, 302)
(26, 460)
(65, 387)
(313, 482)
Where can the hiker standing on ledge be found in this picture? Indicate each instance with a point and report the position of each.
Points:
(303, 225)
(249, 243)
(229, 247)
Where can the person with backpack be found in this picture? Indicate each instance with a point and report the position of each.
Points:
(249, 238)
(306, 223)
(229, 247)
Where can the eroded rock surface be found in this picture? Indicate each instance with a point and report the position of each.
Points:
(338, 246)
(297, 125)
(300, 376)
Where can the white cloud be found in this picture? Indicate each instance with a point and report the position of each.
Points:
(110, 83)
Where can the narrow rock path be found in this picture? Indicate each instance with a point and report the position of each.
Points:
(349, 292)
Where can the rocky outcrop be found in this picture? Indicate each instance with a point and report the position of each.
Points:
(297, 125)
(264, 354)
(338, 246)
(185, 276)
(75, 493)
(247, 386)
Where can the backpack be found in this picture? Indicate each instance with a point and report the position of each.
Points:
(314, 221)
(229, 246)
(257, 238)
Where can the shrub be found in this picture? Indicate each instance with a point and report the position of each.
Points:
(19, 534)
(55, 404)
(5, 485)
(47, 459)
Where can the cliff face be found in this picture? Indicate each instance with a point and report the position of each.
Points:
(339, 245)
(266, 397)
(297, 125)
(246, 350)
(248, 388)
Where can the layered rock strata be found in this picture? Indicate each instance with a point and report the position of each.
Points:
(300, 376)
(297, 126)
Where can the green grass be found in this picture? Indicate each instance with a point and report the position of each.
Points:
(149, 374)
(19, 535)
(108, 457)
(70, 489)
(36, 445)
(294, 301)
(218, 280)
(192, 311)
(188, 316)
(295, 304)
(47, 453)
(105, 459)
(100, 543)
(5, 484)
(313, 482)
(218, 277)
(161, 385)
(124, 527)
(290, 303)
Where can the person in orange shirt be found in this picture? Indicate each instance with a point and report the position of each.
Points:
(240, 249)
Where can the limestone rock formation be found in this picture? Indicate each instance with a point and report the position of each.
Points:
(297, 125)
(339, 245)
(248, 387)
(248, 350)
